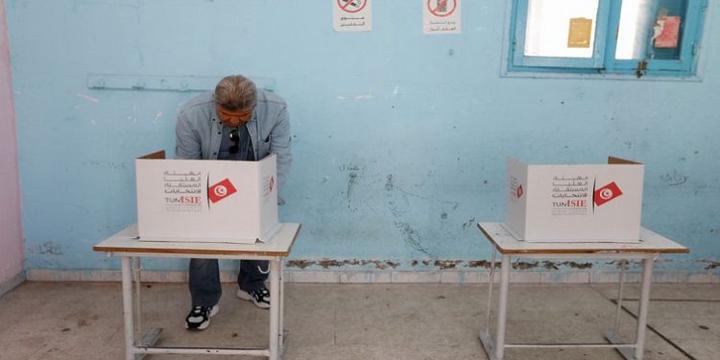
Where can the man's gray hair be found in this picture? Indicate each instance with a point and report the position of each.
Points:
(235, 92)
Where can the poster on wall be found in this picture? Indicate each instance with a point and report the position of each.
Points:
(352, 15)
(580, 33)
(667, 32)
(441, 16)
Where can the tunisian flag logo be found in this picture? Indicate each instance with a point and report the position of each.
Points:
(606, 193)
(221, 190)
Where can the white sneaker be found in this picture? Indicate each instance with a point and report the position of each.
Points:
(199, 317)
(261, 297)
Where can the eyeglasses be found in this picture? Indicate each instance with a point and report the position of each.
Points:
(235, 138)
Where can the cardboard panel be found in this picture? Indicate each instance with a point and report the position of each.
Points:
(217, 200)
(575, 203)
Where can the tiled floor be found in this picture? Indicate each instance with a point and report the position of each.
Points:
(363, 321)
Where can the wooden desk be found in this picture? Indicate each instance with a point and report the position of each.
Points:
(126, 245)
(651, 245)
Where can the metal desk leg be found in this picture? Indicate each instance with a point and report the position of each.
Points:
(485, 336)
(643, 310)
(491, 284)
(615, 334)
(281, 325)
(502, 308)
(136, 269)
(274, 308)
(128, 308)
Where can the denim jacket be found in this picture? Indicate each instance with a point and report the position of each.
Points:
(198, 132)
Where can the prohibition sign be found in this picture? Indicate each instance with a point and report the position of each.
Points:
(442, 7)
(358, 4)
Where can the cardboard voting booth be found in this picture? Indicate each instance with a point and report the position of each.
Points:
(206, 200)
(575, 203)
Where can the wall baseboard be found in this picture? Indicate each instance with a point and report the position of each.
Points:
(387, 277)
(12, 283)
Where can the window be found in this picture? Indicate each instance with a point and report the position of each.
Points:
(639, 37)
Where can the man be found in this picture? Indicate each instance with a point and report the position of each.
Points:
(235, 122)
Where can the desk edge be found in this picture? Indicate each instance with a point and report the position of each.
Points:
(683, 250)
(126, 250)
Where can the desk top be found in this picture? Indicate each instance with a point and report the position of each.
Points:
(506, 243)
(126, 242)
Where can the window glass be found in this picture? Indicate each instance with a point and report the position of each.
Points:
(561, 28)
(650, 29)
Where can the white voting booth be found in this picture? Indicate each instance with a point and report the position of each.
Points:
(206, 200)
(575, 203)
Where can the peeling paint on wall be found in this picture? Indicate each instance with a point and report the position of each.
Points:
(328, 263)
(438, 264)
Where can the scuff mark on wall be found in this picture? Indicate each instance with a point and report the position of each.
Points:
(523, 265)
(472, 265)
(106, 164)
(88, 98)
(364, 97)
(675, 178)
(481, 264)
(406, 192)
(302, 264)
(355, 172)
(352, 181)
(576, 265)
(389, 183)
(418, 262)
(331, 263)
(468, 224)
(48, 248)
(411, 237)
(447, 264)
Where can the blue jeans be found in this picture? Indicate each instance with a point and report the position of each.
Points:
(204, 275)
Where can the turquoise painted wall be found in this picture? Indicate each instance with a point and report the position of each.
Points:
(400, 138)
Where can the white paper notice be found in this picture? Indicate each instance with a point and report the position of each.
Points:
(352, 15)
(441, 16)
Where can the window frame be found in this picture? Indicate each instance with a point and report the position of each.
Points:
(603, 60)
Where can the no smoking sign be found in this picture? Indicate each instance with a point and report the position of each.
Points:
(441, 16)
(352, 15)
(352, 6)
(442, 8)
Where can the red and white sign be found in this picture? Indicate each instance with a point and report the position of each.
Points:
(206, 200)
(221, 190)
(441, 16)
(667, 32)
(352, 6)
(352, 15)
(606, 193)
(442, 8)
(575, 203)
